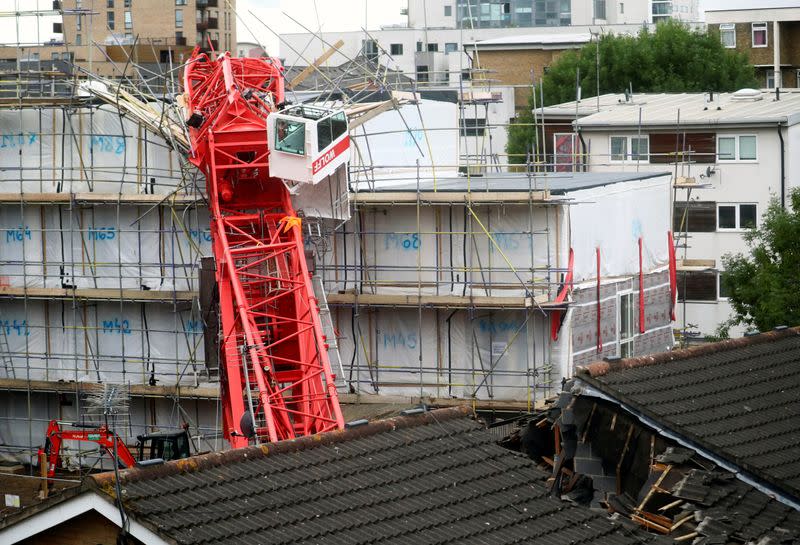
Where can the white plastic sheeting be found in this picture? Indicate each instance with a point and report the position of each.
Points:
(613, 218)
(104, 246)
(106, 342)
(399, 252)
(489, 355)
(89, 149)
(425, 134)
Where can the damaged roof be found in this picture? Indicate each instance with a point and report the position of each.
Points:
(738, 400)
(438, 477)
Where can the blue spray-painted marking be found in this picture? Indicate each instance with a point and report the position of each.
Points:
(15, 327)
(394, 241)
(498, 326)
(400, 340)
(102, 233)
(18, 140)
(116, 326)
(18, 234)
(107, 144)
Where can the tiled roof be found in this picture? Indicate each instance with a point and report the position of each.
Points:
(739, 400)
(432, 478)
(728, 508)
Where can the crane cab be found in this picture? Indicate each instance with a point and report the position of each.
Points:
(307, 143)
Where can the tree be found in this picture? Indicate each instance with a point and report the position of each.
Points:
(671, 59)
(764, 287)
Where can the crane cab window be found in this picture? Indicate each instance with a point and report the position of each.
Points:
(290, 136)
(329, 129)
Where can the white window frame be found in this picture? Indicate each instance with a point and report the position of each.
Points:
(737, 215)
(770, 76)
(629, 138)
(628, 340)
(719, 287)
(736, 158)
(760, 27)
(728, 27)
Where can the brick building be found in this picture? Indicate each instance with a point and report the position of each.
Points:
(100, 36)
(768, 32)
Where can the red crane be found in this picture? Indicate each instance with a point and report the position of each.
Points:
(276, 379)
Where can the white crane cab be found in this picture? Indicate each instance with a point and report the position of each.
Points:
(307, 143)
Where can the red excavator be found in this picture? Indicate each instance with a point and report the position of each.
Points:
(156, 446)
(275, 378)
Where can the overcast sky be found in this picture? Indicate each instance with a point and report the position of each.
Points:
(329, 15)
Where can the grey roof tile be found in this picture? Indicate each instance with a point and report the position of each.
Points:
(444, 482)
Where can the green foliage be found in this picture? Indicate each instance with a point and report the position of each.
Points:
(522, 138)
(670, 59)
(764, 287)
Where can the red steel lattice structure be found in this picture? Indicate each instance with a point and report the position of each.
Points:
(274, 361)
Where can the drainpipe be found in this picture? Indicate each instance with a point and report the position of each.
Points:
(583, 152)
(783, 169)
(776, 53)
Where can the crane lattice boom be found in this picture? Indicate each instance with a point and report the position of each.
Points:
(276, 377)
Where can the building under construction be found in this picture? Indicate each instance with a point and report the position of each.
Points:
(443, 275)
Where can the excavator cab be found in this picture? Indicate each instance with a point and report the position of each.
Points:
(165, 446)
(307, 143)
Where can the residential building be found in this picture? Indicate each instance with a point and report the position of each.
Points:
(520, 61)
(431, 47)
(249, 49)
(434, 477)
(730, 154)
(768, 32)
(101, 36)
(705, 439)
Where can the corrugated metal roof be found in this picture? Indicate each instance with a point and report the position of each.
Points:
(556, 183)
(695, 109)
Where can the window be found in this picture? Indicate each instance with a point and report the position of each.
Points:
(422, 74)
(448, 11)
(770, 79)
(737, 216)
(599, 9)
(626, 324)
(433, 48)
(737, 148)
(127, 3)
(622, 8)
(694, 217)
(329, 129)
(466, 74)
(179, 18)
(472, 127)
(727, 35)
(180, 2)
(290, 136)
(78, 39)
(396, 49)
(110, 4)
(370, 49)
(110, 20)
(450, 47)
(723, 292)
(128, 20)
(629, 148)
(419, 47)
(697, 286)
(759, 34)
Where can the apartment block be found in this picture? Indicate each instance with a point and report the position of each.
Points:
(768, 32)
(102, 35)
(730, 154)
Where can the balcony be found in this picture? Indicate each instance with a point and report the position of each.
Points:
(210, 23)
(203, 4)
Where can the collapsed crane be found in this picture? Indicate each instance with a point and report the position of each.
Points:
(276, 378)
